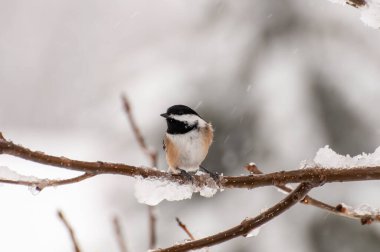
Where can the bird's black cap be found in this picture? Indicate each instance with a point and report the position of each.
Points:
(179, 110)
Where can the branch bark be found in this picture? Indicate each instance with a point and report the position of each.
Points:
(312, 175)
(246, 225)
(307, 200)
(184, 228)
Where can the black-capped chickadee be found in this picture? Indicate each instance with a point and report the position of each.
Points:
(187, 140)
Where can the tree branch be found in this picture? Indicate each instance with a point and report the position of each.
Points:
(71, 231)
(312, 175)
(307, 200)
(246, 225)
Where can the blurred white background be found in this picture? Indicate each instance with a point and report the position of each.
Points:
(278, 80)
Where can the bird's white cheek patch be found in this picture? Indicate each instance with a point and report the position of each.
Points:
(190, 119)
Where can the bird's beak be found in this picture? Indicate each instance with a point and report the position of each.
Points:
(165, 115)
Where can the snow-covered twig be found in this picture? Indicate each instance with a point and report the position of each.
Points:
(70, 229)
(8, 176)
(119, 235)
(246, 225)
(152, 154)
(184, 228)
(365, 213)
(340, 210)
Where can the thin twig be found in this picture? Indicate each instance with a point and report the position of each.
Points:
(246, 225)
(349, 212)
(40, 184)
(183, 226)
(137, 132)
(71, 231)
(152, 154)
(307, 200)
(312, 175)
(119, 235)
(152, 227)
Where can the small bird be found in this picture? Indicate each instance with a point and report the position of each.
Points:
(186, 141)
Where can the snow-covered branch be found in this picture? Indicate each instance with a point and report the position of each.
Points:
(8, 176)
(341, 209)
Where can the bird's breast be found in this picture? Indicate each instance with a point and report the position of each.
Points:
(191, 148)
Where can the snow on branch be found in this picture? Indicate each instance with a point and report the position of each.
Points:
(8, 176)
(328, 158)
(369, 10)
(153, 191)
(365, 213)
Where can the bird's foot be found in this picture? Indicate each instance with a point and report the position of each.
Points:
(184, 174)
(214, 175)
